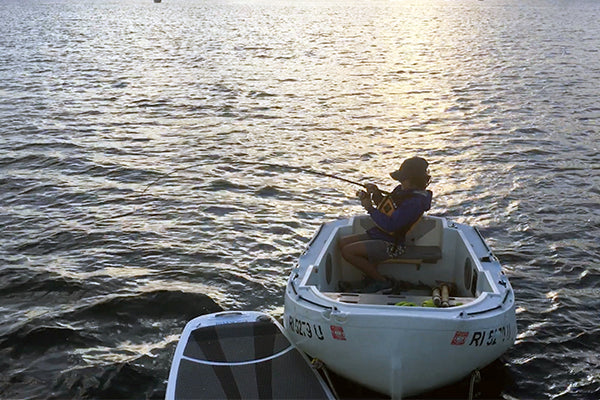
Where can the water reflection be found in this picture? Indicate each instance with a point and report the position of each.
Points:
(100, 100)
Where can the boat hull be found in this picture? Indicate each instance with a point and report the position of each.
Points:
(398, 354)
(241, 355)
(381, 342)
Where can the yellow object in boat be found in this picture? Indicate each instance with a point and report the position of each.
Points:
(406, 304)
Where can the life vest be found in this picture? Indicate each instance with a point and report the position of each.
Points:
(390, 202)
(386, 205)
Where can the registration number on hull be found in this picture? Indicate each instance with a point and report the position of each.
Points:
(489, 337)
(305, 328)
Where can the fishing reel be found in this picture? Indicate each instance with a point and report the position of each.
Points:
(361, 194)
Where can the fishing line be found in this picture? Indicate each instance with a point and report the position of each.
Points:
(266, 164)
(242, 162)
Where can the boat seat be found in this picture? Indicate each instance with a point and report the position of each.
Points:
(423, 243)
(417, 255)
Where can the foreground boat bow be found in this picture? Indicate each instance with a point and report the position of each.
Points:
(241, 355)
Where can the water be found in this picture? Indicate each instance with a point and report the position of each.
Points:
(123, 215)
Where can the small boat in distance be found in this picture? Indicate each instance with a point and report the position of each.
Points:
(157, 1)
(402, 344)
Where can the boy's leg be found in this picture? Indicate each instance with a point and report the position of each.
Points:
(356, 254)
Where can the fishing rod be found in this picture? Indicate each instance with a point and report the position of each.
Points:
(266, 164)
(261, 163)
(305, 169)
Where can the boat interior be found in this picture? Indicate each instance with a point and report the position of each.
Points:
(436, 255)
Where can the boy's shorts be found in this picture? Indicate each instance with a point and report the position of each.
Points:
(377, 250)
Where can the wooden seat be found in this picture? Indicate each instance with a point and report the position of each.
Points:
(417, 255)
(423, 244)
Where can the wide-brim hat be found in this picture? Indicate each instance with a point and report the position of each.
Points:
(411, 168)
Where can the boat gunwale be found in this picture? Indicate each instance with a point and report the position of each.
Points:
(462, 311)
(487, 301)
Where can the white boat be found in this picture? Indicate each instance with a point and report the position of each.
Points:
(400, 344)
(241, 355)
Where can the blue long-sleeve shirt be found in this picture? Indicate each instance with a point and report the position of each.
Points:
(410, 205)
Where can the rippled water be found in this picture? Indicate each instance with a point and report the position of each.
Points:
(124, 211)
